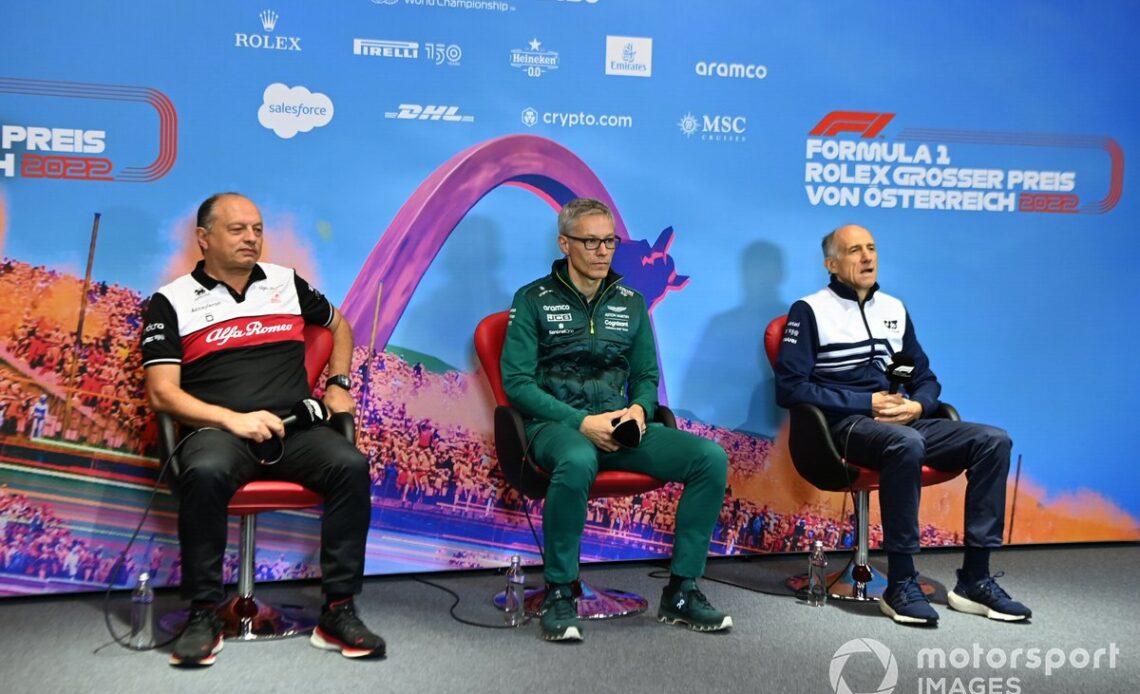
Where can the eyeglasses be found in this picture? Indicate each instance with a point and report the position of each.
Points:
(592, 244)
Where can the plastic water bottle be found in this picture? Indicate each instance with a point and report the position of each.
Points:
(817, 576)
(142, 613)
(514, 612)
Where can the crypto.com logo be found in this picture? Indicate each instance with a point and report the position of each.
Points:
(50, 151)
(886, 658)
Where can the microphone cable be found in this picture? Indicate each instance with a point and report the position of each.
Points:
(116, 638)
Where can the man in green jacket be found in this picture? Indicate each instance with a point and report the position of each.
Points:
(579, 357)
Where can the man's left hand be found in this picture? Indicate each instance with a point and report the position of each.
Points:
(905, 412)
(339, 400)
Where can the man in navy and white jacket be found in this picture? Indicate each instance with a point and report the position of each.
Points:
(834, 354)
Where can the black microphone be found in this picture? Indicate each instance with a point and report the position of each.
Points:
(306, 414)
(900, 371)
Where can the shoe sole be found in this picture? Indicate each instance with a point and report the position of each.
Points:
(725, 623)
(200, 662)
(902, 618)
(968, 606)
(328, 643)
(567, 634)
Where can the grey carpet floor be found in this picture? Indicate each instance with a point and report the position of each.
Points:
(1081, 598)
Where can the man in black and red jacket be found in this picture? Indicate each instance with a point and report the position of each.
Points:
(224, 353)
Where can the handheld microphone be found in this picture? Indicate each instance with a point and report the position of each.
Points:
(306, 414)
(900, 371)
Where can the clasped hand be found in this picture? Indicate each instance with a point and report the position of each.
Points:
(892, 408)
(599, 428)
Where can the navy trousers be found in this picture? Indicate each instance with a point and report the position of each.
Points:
(898, 452)
(214, 464)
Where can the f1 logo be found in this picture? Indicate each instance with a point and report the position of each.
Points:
(870, 124)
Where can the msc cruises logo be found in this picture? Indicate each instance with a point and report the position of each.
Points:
(714, 128)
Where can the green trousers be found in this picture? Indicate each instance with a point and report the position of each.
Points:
(669, 455)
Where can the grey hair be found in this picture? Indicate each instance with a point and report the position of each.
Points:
(577, 208)
(828, 244)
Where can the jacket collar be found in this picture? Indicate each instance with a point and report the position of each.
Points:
(561, 269)
(199, 274)
(845, 292)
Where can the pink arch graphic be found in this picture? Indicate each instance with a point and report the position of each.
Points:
(406, 249)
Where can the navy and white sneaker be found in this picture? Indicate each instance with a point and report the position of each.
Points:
(987, 598)
(906, 603)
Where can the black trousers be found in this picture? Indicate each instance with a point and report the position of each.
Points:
(899, 452)
(214, 464)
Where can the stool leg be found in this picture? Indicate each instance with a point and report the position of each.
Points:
(247, 552)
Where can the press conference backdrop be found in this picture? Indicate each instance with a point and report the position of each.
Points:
(409, 157)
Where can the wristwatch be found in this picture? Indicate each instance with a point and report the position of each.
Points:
(339, 380)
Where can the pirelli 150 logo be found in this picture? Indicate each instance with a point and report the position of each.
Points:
(850, 164)
(70, 147)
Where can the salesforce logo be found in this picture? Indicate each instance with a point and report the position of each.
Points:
(732, 70)
(291, 110)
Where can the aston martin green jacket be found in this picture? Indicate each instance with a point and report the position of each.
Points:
(566, 358)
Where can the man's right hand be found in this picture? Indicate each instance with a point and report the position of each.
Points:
(883, 400)
(599, 428)
(257, 426)
(894, 409)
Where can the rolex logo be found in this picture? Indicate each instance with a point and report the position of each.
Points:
(265, 40)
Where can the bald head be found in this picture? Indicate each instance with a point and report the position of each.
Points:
(849, 253)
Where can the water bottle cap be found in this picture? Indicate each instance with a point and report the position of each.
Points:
(144, 576)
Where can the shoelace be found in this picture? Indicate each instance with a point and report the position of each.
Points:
(563, 606)
(349, 625)
(695, 596)
(910, 591)
(198, 617)
(990, 585)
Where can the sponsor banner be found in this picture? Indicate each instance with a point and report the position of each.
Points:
(290, 110)
(629, 56)
(478, 5)
(714, 127)
(436, 53)
(731, 70)
(266, 39)
(533, 61)
(564, 119)
(847, 164)
(431, 112)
